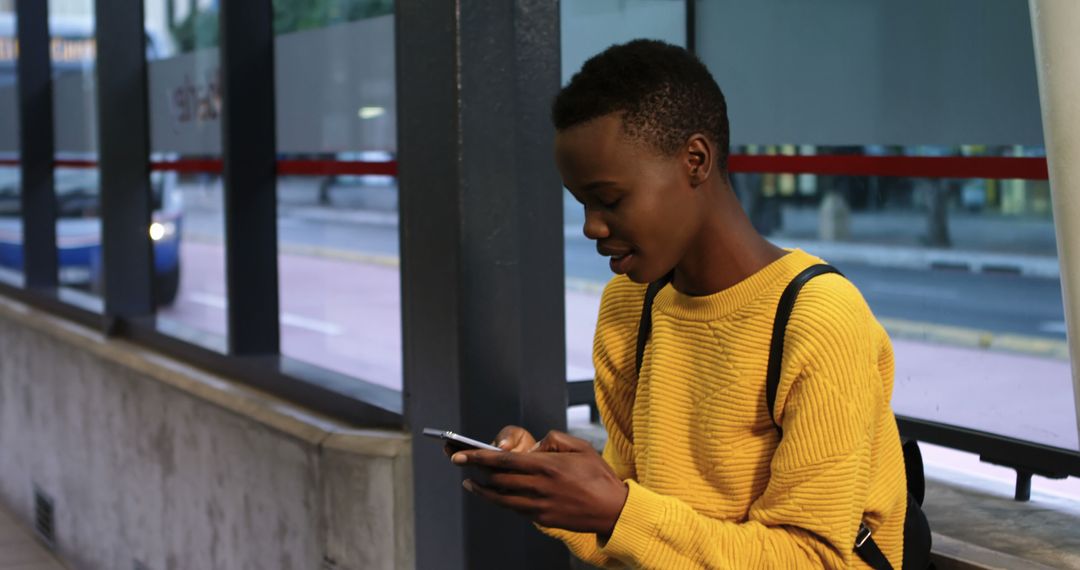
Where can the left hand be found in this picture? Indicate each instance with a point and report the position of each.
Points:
(563, 484)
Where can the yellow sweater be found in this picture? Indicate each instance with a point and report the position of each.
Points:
(709, 486)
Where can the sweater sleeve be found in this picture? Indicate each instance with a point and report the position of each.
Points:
(809, 513)
(614, 352)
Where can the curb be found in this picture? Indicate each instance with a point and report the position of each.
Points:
(903, 257)
(975, 338)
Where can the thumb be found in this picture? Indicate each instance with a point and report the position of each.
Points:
(560, 442)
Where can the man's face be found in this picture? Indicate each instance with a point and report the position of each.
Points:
(639, 204)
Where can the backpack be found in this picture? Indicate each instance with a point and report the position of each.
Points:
(917, 540)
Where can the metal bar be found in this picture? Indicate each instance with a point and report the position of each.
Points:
(482, 288)
(987, 167)
(1053, 27)
(993, 167)
(580, 392)
(1044, 459)
(250, 181)
(123, 155)
(38, 197)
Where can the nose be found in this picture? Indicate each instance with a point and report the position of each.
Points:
(595, 228)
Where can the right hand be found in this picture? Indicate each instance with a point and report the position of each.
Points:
(515, 439)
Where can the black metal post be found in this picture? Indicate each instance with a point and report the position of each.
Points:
(38, 196)
(124, 151)
(1023, 486)
(248, 146)
(691, 26)
(482, 269)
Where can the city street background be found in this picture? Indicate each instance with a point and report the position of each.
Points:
(994, 336)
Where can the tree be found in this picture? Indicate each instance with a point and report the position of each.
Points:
(199, 29)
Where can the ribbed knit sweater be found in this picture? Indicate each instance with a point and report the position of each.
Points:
(711, 484)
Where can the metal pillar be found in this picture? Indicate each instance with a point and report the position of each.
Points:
(482, 268)
(38, 196)
(249, 147)
(124, 150)
(1057, 61)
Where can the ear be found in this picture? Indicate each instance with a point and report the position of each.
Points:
(699, 159)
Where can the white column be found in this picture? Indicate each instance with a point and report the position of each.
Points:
(1055, 26)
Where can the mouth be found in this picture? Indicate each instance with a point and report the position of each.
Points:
(619, 261)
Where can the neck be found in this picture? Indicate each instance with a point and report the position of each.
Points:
(727, 249)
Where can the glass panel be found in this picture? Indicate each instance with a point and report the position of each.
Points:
(78, 225)
(338, 233)
(588, 28)
(962, 272)
(185, 141)
(10, 178)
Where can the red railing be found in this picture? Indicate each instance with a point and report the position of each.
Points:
(1003, 167)
(995, 167)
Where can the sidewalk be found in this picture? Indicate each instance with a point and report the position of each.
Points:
(19, 550)
(981, 242)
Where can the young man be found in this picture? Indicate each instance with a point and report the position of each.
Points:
(694, 473)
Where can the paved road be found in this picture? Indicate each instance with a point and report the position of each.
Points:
(999, 303)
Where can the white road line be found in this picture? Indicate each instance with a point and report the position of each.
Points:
(1053, 327)
(206, 300)
(329, 329)
(314, 325)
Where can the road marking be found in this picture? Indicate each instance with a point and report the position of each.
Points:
(1053, 327)
(300, 322)
(975, 338)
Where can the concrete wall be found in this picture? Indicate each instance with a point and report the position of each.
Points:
(150, 460)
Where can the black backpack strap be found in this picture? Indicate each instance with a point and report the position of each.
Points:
(645, 325)
(868, 550)
(865, 546)
(783, 315)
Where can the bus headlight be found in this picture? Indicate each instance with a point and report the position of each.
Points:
(162, 230)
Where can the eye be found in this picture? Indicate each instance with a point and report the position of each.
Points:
(611, 204)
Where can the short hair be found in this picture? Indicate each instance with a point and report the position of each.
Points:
(665, 94)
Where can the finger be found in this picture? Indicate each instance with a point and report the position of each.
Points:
(518, 503)
(508, 435)
(521, 462)
(511, 483)
(514, 438)
(557, 441)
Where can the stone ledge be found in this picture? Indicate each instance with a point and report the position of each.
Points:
(952, 554)
(266, 409)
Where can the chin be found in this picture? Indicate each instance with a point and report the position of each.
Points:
(638, 276)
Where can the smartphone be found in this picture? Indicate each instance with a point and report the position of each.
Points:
(457, 440)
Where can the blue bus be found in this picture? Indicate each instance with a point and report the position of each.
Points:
(78, 228)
